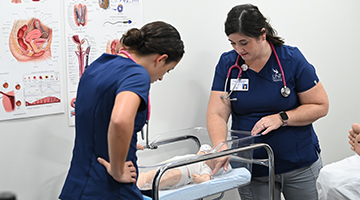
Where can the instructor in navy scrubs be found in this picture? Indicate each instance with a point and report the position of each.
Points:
(278, 102)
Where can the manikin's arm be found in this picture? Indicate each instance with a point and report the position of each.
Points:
(203, 177)
(199, 179)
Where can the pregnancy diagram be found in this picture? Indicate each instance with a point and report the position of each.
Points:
(33, 84)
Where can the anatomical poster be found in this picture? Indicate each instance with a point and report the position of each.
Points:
(30, 58)
(94, 27)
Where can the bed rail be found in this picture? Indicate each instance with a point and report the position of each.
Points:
(154, 145)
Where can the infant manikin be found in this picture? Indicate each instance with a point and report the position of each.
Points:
(174, 178)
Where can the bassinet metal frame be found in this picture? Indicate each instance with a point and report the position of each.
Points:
(269, 162)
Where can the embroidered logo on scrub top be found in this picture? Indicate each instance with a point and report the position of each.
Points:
(276, 76)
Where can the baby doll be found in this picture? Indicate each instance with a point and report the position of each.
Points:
(173, 178)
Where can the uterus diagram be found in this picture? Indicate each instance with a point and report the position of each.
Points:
(8, 98)
(80, 14)
(30, 40)
(82, 53)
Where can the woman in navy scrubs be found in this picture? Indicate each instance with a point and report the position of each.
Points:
(111, 107)
(283, 119)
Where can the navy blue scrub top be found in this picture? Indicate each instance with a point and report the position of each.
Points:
(294, 146)
(101, 82)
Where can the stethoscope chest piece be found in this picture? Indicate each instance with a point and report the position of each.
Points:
(285, 91)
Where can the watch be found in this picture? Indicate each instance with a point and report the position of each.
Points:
(284, 118)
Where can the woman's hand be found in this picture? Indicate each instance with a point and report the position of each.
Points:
(217, 163)
(352, 134)
(129, 175)
(267, 124)
(139, 147)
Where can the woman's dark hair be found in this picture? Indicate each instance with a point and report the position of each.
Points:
(246, 19)
(155, 37)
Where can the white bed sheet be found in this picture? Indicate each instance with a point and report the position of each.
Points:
(235, 178)
(340, 180)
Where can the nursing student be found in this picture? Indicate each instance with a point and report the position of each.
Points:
(111, 107)
(280, 103)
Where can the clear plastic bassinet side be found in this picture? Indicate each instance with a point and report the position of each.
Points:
(170, 144)
(238, 140)
(186, 143)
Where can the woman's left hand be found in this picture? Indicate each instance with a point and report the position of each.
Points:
(128, 176)
(267, 124)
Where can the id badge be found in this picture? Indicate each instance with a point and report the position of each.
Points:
(241, 85)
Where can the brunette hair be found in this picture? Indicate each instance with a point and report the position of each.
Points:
(155, 37)
(246, 19)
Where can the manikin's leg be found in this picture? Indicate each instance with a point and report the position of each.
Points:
(145, 177)
(170, 178)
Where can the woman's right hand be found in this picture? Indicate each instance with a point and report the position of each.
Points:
(353, 133)
(217, 163)
(129, 175)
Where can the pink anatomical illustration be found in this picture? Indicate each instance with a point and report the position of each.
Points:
(113, 47)
(8, 98)
(80, 14)
(19, 1)
(8, 101)
(83, 51)
(30, 40)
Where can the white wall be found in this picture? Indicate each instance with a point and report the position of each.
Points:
(36, 152)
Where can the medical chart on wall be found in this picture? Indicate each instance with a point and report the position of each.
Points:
(94, 27)
(30, 58)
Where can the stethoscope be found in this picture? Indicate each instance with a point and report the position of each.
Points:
(149, 107)
(285, 91)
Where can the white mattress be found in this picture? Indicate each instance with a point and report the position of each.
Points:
(235, 178)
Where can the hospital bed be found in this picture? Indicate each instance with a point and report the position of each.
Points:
(188, 141)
